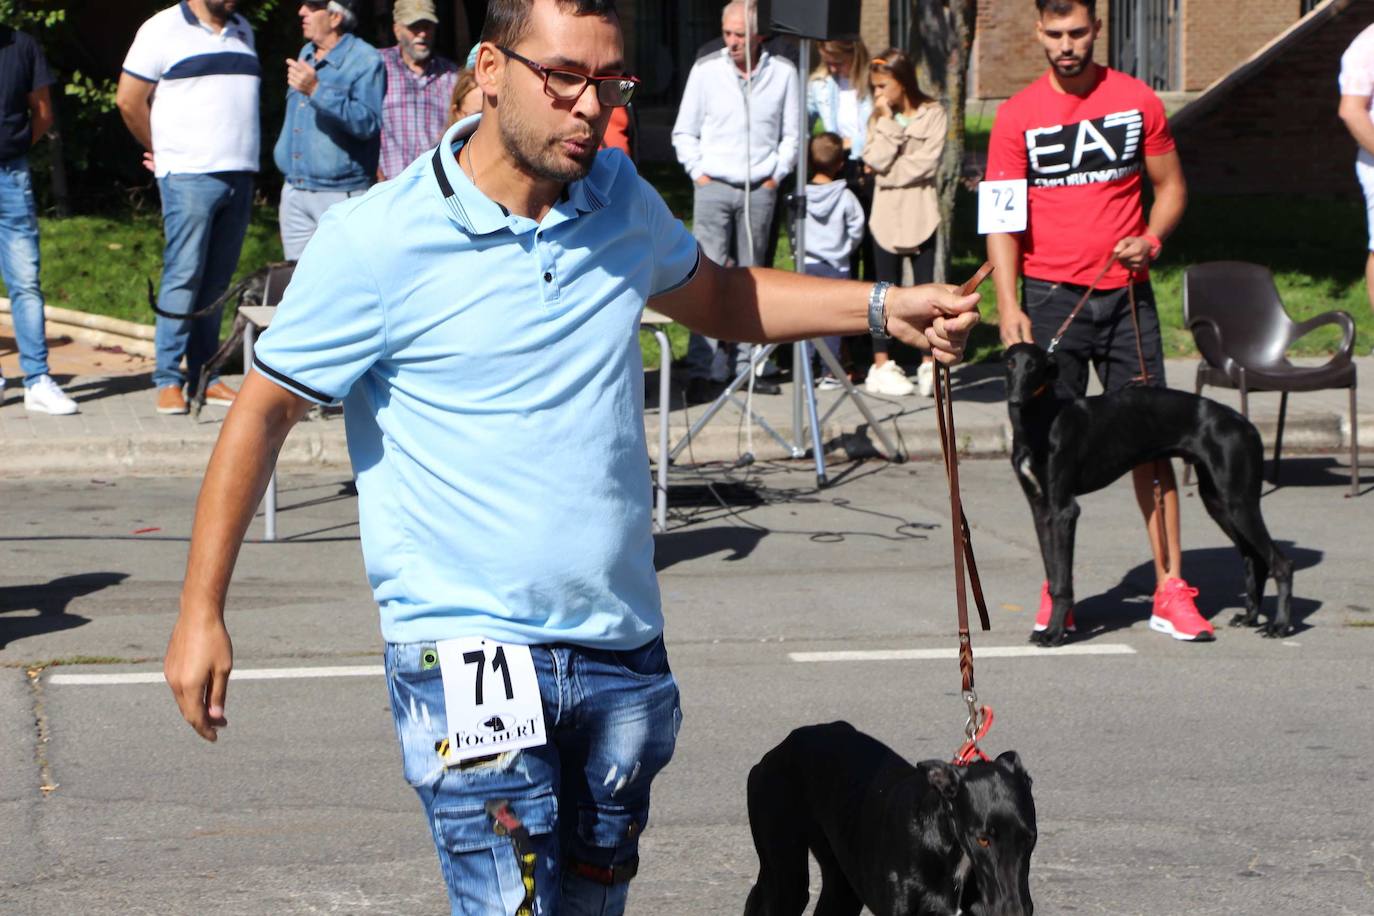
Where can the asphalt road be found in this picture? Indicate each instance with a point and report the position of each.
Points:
(1170, 778)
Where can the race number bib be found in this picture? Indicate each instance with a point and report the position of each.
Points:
(491, 698)
(1002, 206)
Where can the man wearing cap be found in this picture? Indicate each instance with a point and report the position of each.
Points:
(330, 139)
(419, 84)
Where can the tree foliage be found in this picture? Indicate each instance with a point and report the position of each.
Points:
(941, 40)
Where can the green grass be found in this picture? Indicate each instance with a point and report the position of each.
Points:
(1315, 246)
(101, 264)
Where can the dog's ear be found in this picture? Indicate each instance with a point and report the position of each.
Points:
(944, 778)
(1011, 762)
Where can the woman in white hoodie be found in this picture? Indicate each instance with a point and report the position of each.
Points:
(906, 135)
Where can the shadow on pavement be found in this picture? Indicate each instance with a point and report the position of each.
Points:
(1305, 471)
(682, 546)
(1219, 575)
(50, 600)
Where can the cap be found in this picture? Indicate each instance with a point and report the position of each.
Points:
(407, 12)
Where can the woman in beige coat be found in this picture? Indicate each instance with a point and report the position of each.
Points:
(906, 135)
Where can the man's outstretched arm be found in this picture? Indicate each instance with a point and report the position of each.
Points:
(199, 654)
(759, 305)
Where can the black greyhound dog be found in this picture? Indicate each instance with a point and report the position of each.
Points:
(899, 839)
(1062, 449)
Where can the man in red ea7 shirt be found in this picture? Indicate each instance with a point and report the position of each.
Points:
(1084, 137)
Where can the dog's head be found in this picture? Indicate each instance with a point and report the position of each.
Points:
(1031, 372)
(994, 822)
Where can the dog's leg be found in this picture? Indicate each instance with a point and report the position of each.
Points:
(1217, 508)
(1061, 522)
(837, 894)
(777, 823)
(1268, 560)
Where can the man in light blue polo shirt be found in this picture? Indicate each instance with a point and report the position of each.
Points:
(478, 317)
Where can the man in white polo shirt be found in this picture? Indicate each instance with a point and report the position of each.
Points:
(736, 135)
(478, 315)
(200, 130)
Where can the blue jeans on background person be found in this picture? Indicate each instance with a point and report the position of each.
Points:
(205, 218)
(612, 720)
(19, 265)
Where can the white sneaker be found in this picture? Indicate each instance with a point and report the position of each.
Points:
(45, 397)
(828, 383)
(925, 380)
(888, 379)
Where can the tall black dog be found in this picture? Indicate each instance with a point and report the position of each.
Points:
(1062, 449)
(899, 839)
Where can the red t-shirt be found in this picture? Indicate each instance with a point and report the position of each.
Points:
(1083, 157)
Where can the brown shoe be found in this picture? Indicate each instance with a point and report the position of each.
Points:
(220, 394)
(171, 400)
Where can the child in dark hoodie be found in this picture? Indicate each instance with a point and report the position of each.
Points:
(834, 223)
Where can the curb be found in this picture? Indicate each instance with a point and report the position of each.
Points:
(322, 446)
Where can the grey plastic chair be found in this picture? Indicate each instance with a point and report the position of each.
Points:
(1244, 334)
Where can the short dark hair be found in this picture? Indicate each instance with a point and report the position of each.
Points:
(1064, 7)
(827, 154)
(508, 21)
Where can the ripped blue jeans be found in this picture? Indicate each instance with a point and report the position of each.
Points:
(612, 718)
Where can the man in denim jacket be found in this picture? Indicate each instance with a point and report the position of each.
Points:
(331, 138)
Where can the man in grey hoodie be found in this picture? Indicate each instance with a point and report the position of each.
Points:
(834, 223)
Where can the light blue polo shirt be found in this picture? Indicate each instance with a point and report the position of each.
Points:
(493, 394)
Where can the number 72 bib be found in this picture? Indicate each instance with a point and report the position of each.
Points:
(491, 697)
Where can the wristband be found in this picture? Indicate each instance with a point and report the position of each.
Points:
(1156, 246)
(877, 310)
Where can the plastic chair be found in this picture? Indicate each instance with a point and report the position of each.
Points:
(1243, 333)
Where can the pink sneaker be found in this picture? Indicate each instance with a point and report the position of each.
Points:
(1176, 614)
(1042, 617)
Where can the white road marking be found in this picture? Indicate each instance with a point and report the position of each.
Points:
(906, 655)
(247, 674)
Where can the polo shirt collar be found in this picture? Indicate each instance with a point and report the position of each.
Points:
(336, 53)
(479, 214)
(233, 26)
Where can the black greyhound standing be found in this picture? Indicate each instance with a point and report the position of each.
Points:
(1062, 449)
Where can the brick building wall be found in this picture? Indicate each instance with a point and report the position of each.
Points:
(1277, 131)
(1217, 35)
(1213, 37)
(874, 24)
(1005, 54)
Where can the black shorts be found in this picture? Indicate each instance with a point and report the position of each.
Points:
(1102, 334)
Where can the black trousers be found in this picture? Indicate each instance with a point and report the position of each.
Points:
(888, 266)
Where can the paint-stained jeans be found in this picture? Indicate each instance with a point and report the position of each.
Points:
(612, 719)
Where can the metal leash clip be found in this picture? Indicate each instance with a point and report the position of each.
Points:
(975, 730)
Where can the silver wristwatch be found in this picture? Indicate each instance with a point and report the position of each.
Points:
(877, 310)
